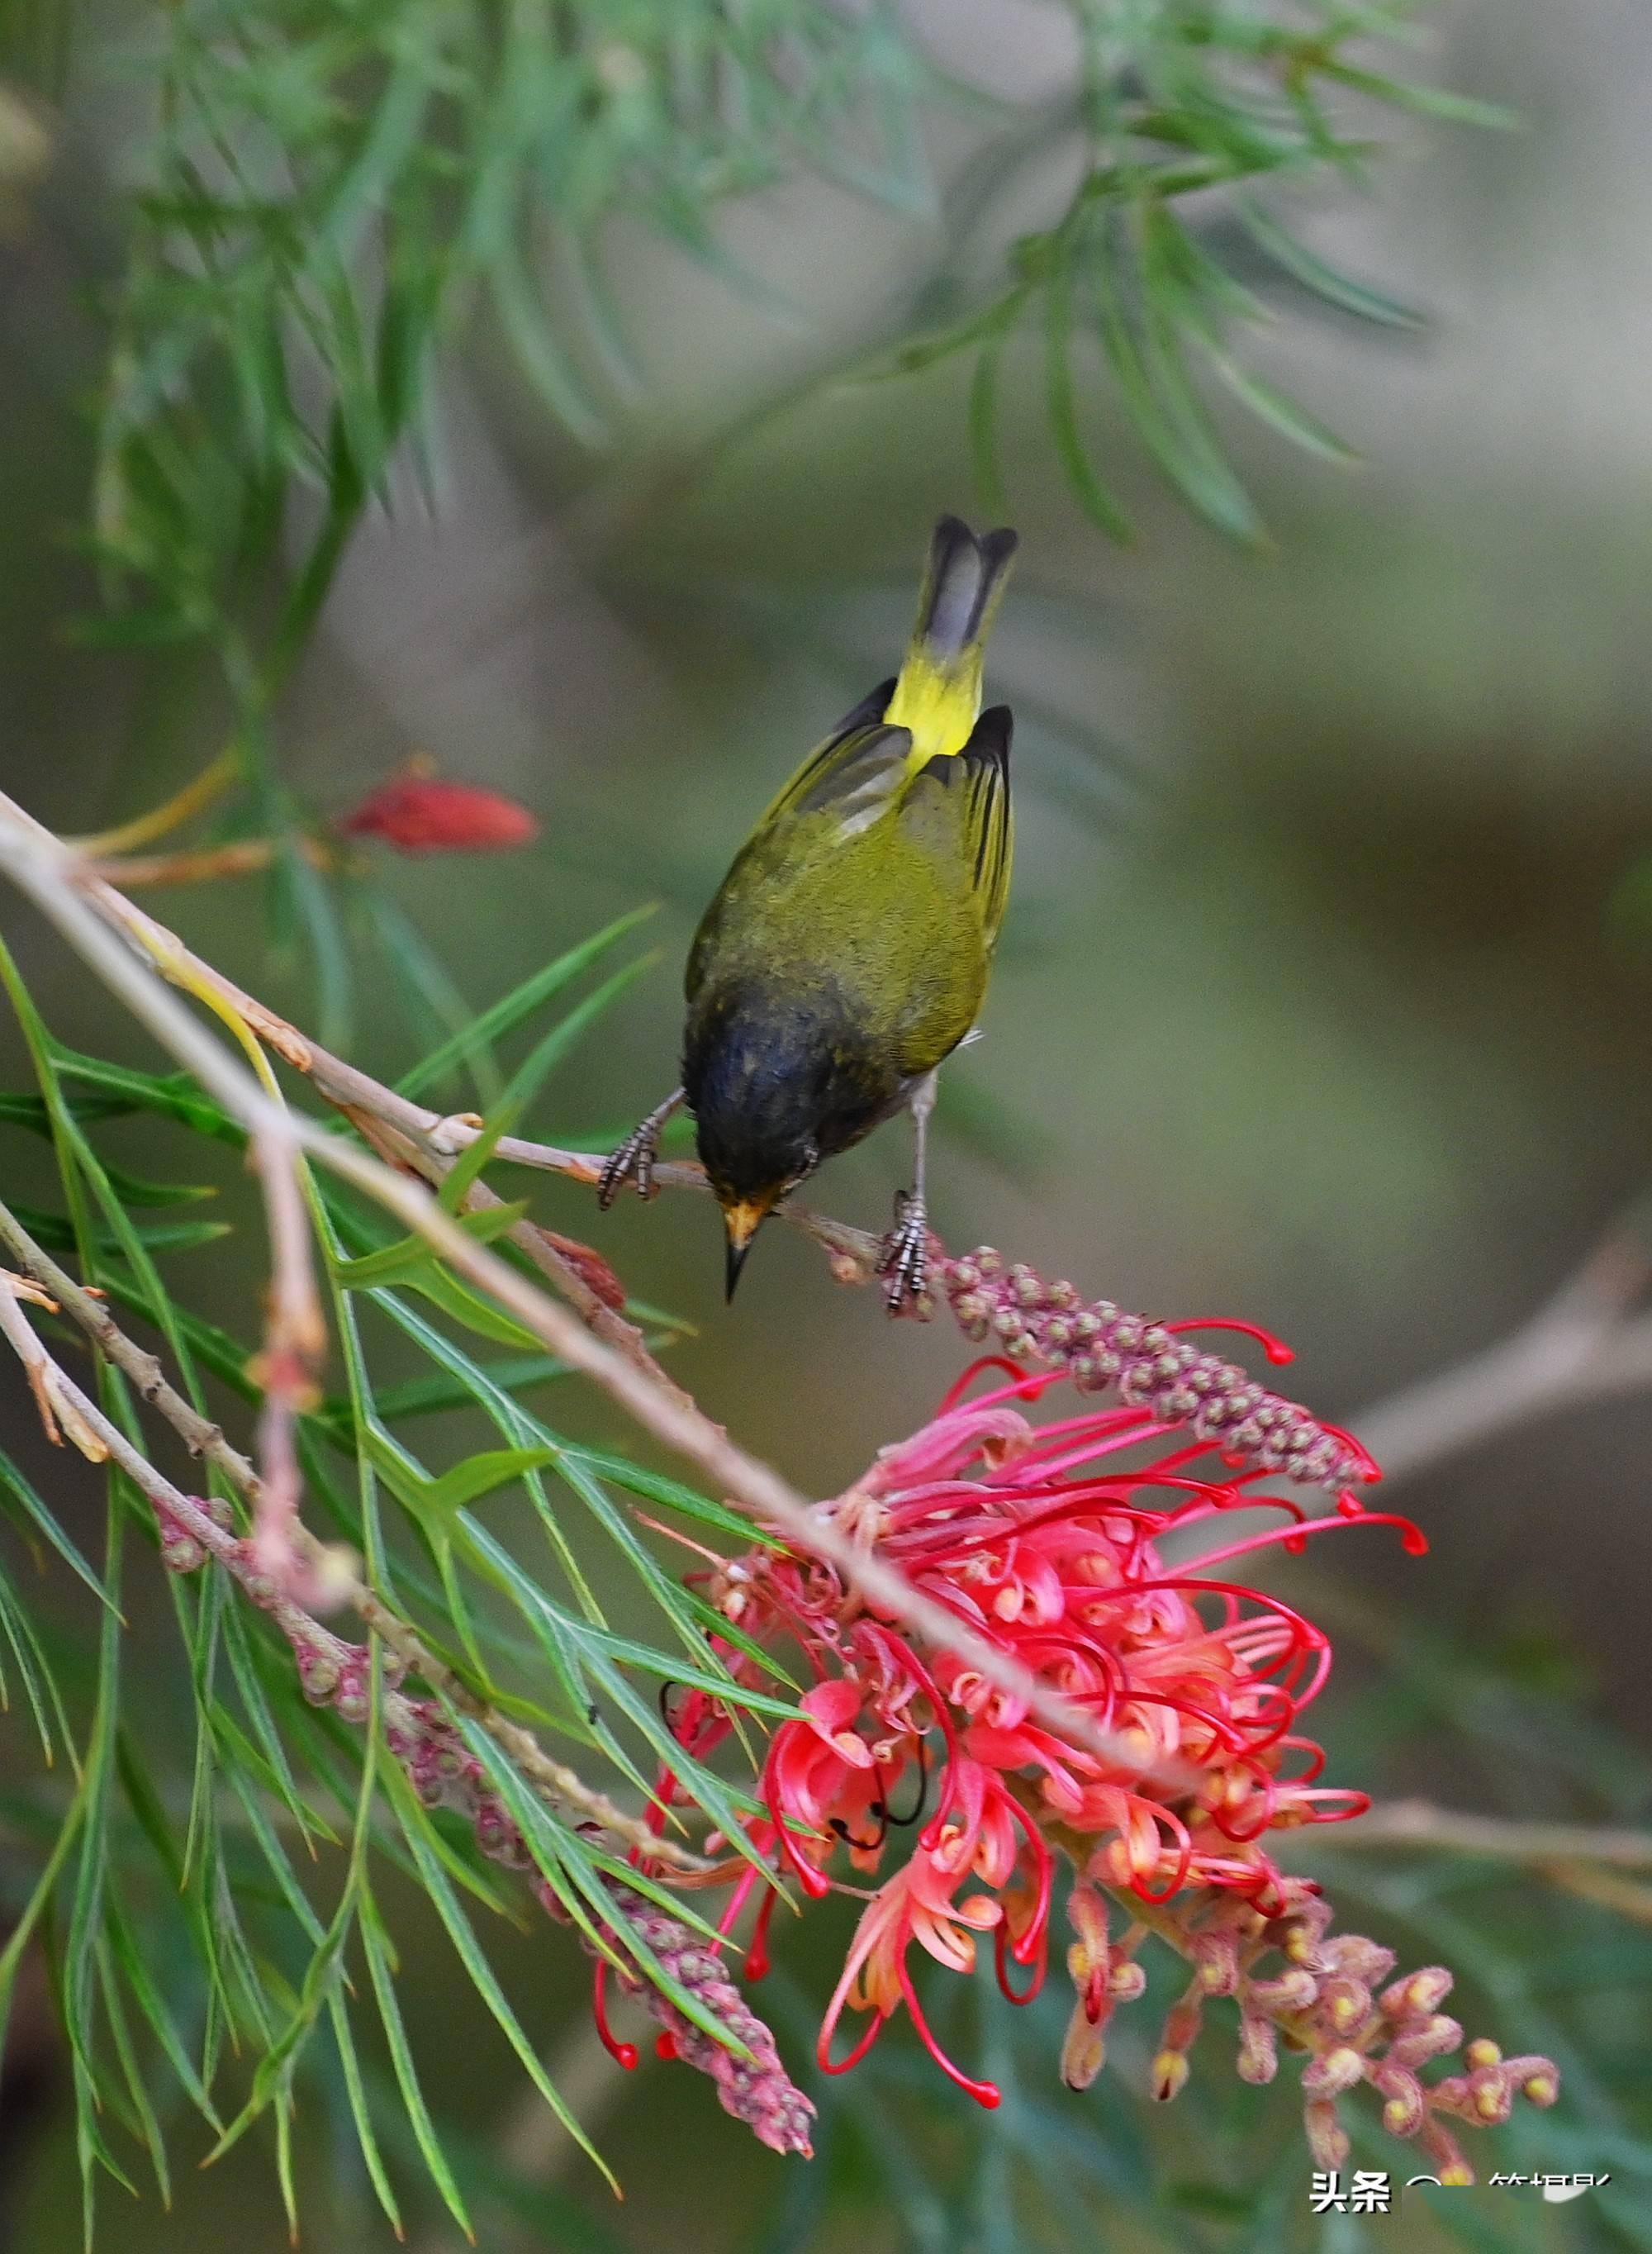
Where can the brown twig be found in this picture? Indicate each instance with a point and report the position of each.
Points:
(202, 865)
(1628, 1897)
(1586, 1860)
(388, 1125)
(856, 1249)
(58, 1412)
(1587, 1343)
(1421, 1823)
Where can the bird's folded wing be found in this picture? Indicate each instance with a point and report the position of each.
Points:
(970, 788)
(853, 776)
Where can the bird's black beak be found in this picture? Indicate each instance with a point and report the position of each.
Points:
(734, 1260)
(742, 1220)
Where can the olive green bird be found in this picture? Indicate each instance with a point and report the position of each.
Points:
(847, 953)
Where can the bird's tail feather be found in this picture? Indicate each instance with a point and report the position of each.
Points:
(939, 694)
(961, 588)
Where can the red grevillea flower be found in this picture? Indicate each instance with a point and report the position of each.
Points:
(1044, 1542)
(1103, 1575)
(418, 813)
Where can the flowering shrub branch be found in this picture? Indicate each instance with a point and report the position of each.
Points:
(1029, 1671)
(91, 913)
(420, 1733)
(1324, 2004)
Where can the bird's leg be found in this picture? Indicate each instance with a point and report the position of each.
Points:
(634, 1160)
(903, 1257)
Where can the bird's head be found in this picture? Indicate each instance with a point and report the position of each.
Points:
(749, 1179)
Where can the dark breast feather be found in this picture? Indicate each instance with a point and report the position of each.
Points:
(769, 1081)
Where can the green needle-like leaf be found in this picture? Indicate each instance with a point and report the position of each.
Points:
(520, 1003)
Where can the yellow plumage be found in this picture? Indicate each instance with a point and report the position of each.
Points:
(940, 704)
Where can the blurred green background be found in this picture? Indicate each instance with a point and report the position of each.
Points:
(1323, 1000)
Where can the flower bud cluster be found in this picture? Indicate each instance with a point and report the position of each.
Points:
(1007, 1306)
(445, 1773)
(1336, 2005)
(757, 2090)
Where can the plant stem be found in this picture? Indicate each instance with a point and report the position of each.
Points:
(127, 948)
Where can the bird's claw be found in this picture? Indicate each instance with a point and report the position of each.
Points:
(632, 1161)
(903, 1258)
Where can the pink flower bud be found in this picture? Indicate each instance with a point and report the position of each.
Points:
(1360, 1959)
(1259, 2060)
(1169, 2075)
(1326, 2138)
(1538, 2079)
(1290, 1992)
(1216, 1957)
(1445, 2152)
(1418, 1993)
(1084, 2052)
(1333, 2072)
(1491, 2094)
(1404, 2101)
(1344, 2004)
(419, 814)
(1425, 2039)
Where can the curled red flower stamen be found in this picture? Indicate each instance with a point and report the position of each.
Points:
(985, 2093)
(624, 2054)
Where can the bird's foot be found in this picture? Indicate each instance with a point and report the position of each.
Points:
(903, 1258)
(632, 1161)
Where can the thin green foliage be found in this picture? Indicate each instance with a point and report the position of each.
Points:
(257, 1852)
(328, 196)
(1178, 108)
(327, 193)
(285, 232)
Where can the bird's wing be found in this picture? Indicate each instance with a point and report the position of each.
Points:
(854, 774)
(967, 794)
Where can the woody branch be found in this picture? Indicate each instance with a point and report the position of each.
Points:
(132, 954)
(1585, 1344)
